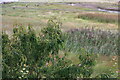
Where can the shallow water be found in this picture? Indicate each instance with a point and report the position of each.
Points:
(103, 10)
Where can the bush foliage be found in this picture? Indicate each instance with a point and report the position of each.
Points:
(29, 55)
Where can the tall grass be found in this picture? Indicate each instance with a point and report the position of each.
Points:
(94, 41)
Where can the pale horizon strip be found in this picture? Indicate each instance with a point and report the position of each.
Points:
(59, 0)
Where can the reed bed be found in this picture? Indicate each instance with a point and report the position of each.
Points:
(94, 41)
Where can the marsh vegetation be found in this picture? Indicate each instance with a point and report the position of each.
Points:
(48, 40)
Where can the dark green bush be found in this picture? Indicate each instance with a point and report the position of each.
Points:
(29, 55)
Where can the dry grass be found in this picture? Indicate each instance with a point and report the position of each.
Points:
(100, 17)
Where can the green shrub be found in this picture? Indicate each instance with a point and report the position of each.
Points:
(26, 48)
(29, 55)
